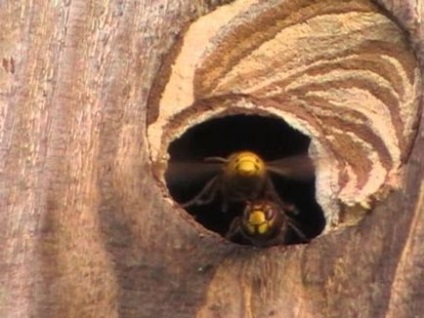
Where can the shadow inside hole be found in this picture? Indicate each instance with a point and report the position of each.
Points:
(269, 137)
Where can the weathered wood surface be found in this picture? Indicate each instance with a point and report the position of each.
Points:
(343, 73)
(85, 230)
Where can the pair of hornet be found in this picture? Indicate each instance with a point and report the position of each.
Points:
(244, 177)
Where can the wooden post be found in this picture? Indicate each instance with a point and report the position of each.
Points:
(87, 231)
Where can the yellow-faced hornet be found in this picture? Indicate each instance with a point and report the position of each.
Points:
(263, 223)
(244, 176)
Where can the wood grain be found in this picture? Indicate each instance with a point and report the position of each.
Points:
(343, 74)
(86, 231)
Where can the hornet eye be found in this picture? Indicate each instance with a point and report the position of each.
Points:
(269, 213)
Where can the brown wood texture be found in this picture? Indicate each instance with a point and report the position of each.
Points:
(85, 230)
(343, 74)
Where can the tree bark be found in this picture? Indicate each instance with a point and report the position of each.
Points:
(86, 230)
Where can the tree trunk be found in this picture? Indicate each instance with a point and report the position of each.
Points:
(87, 232)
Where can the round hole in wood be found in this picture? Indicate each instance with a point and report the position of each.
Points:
(269, 137)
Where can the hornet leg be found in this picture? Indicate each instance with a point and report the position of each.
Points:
(205, 196)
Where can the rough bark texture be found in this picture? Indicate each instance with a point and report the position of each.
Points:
(86, 232)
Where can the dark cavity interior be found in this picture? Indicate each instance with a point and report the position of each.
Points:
(269, 137)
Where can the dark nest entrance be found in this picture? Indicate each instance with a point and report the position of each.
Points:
(269, 137)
